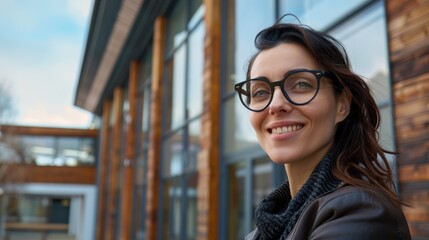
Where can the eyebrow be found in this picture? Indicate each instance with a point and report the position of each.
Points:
(284, 75)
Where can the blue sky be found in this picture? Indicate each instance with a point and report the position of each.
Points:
(41, 50)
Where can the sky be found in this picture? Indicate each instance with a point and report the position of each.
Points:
(42, 43)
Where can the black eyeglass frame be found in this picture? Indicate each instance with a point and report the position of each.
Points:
(317, 73)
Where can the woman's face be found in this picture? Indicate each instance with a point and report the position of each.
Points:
(290, 133)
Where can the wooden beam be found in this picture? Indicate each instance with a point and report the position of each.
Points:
(48, 131)
(129, 162)
(29, 173)
(102, 169)
(114, 166)
(153, 163)
(208, 158)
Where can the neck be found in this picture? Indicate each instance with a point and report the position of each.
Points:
(297, 176)
(298, 172)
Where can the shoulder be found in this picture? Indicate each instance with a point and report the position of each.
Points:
(348, 196)
(354, 213)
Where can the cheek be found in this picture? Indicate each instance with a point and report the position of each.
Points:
(255, 120)
(324, 114)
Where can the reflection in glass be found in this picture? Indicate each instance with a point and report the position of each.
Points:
(368, 31)
(39, 150)
(171, 210)
(244, 20)
(262, 181)
(172, 155)
(191, 201)
(195, 71)
(176, 30)
(236, 200)
(197, 13)
(193, 145)
(318, 14)
(146, 112)
(238, 133)
(55, 151)
(176, 85)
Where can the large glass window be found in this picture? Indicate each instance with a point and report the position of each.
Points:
(365, 39)
(241, 28)
(53, 151)
(319, 14)
(183, 105)
(362, 30)
(249, 181)
(246, 181)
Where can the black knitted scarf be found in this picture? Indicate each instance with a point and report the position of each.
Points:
(278, 213)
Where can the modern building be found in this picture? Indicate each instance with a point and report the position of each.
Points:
(178, 158)
(48, 183)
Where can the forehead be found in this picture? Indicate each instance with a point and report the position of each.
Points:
(276, 61)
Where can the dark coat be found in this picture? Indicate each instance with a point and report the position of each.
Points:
(349, 213)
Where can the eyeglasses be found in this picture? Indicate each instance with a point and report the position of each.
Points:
(299, 87)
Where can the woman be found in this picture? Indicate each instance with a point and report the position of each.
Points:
(312, 114)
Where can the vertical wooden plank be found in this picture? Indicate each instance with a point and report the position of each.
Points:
(155, 129)
(129, 162)
(102, 170)
(114, 165)
(208, 158)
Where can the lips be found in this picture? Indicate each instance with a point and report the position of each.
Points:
(285, 128)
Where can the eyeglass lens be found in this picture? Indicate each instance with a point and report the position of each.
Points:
(300, 87)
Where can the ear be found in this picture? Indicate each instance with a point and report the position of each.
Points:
(343, 106)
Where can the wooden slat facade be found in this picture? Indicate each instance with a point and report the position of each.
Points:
(408, 28)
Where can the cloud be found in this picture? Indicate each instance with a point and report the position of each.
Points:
(41, 49)
(79, 10)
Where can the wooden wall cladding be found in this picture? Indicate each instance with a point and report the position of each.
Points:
(49, 174)
(48, 131)
(408, 28)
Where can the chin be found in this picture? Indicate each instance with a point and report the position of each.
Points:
(282, 158)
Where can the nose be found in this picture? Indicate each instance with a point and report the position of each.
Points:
(279, 103)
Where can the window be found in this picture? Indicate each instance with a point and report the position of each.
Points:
(30, 212)
(241, 28)
(182, 106)
(55, 151)
(242, 158)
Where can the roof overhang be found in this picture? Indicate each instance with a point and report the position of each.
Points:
(118, 34)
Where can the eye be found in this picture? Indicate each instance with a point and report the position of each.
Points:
(261, 92)
(303, 84)
(259, 89)
(300, 85)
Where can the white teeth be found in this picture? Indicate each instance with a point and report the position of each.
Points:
(286, 129)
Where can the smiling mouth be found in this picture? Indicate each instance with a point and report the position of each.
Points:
(285, 129)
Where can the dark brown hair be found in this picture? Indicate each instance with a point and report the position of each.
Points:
(359, 158)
